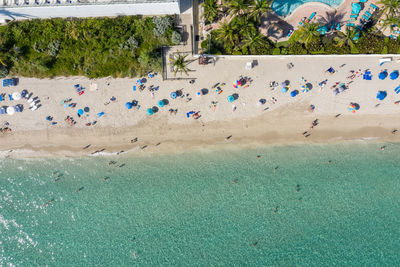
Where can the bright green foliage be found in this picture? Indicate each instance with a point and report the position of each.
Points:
(308, 33)
(94, 47)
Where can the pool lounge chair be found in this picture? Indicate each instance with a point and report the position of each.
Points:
(368, 14)
(374, 7)
(350, 24)
(312, 15)
(359, 27)
(366, 18)
(363, 1)
(338, 27)
(353, 16)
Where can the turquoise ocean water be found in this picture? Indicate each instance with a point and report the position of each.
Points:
(286, 7)
(225, 208)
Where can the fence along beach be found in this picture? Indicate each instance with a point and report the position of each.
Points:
(309, 103)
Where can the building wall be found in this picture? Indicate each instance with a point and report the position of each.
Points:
(101, 10)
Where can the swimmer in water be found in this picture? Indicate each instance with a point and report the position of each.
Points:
(329, 161)
(383, 148)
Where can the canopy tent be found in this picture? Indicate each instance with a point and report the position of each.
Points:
(381, 95)
(367, 75)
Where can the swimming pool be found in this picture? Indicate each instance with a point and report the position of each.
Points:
(286, 7)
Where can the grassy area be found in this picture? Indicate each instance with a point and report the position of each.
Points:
(94, 47)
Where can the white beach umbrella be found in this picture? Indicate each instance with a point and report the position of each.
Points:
(10, 110)
(16, 96)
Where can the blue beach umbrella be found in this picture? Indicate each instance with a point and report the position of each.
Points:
(394, 75)
(294, 93)
(397, 90)
(128, 105)
(383, 74)
(381, 95)
(161, 103)
(174, 95)
(284, 89)
(150, 111)
(231, 98)
(80, 111)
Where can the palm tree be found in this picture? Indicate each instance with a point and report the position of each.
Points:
(242, 25)
(238, 7)
(308, 33)
(259, 8)
(253, 39)
(389, 21)
(390, 7)
(349, 38)
(211, 10)
(226, 33)
(179, 63)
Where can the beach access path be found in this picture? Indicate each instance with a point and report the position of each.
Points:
(249, 123)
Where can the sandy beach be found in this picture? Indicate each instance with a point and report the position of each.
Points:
(281, 120)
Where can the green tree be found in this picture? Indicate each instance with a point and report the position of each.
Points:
(258, 8)
(308, 33)
(238, 7)
(390, 7)
(348, 38)
(227, 34)
(211, 10)
(179, 63)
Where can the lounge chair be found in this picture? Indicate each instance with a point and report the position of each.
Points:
(367, 13)
(338, 27)
(366, 18)
(312, 15)
(350, 24)
(374, 7)
(353, 16)
(363, 1)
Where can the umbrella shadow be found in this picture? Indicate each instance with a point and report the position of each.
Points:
(204, 91)
(235, 96)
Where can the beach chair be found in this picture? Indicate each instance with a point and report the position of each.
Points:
(10, 97)
(1, 98)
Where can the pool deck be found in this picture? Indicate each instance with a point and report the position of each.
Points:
(277, 27)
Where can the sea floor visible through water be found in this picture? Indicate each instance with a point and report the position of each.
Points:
(289, 206)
